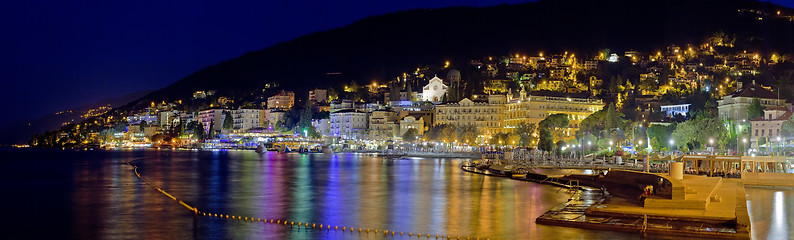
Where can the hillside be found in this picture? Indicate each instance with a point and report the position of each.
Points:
(21, 132)
(380, 47)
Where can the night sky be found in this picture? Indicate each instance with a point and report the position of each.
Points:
(58, 55)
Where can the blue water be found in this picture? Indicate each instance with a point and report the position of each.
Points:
(51, 194)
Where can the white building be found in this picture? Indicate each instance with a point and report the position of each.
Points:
(434, 90)
(769, 125)
(212, 117)
(349, 124)
(679, 109)
(486, 116)
(323, 126)
(382, 124)
(735, 106)
(411, 122)
(245, 119)
(137, 119)
(273, 116)
(282, 100)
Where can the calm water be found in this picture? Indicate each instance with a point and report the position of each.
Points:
(95, 195)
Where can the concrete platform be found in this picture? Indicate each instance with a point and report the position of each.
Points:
(706, 198)
(701, 206)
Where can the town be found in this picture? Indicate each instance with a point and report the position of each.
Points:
(707, 97)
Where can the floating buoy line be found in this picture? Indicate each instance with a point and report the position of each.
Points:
(288, 223)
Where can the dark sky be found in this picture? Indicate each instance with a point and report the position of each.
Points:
(60, 54)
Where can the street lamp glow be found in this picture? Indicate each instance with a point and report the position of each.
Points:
(711, 141)
(744, 140)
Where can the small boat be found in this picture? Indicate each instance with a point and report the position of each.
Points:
(260, 148)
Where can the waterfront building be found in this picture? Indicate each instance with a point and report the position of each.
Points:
(487, 116)
(348, 124)
(678, 109)
(434, 90)
(323, 126)
(273, 117)
(540, 104)
(768, 127)
(245, 119)
(282, 100)
(137, 119)
(411, 122)
(382, 124)
(734, 106)
(187, 117)
(168, 119)
(211, 117)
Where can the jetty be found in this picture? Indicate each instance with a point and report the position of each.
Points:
(670, 203)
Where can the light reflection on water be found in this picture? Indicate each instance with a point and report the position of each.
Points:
(94, 195)
(769, 209)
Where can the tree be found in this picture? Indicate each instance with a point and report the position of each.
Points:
(410, 135)
(466, 133)
(698, 131)
(211, 132)
(755, 109)
(142, 126)
(787, 129)
(197, 128)
(659, 135)
(410, 92)
(228, 121)
(305, 120)
(551, 129)
(394, 92)
(546, 142)
(524, 132)
(613, 119)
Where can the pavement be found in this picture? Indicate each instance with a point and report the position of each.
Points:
(706, 198)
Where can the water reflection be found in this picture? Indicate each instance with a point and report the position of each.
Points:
(93, 195)
(769, 209)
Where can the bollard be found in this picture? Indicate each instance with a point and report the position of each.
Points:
(436, 236)
(336, 228)
(313, 225)
(409, 234)
(392, 232)
(343, 228)
(321, 226)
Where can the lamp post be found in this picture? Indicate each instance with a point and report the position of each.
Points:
(744, 143)
(711, 142)
(671, 146)
(778, 144)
